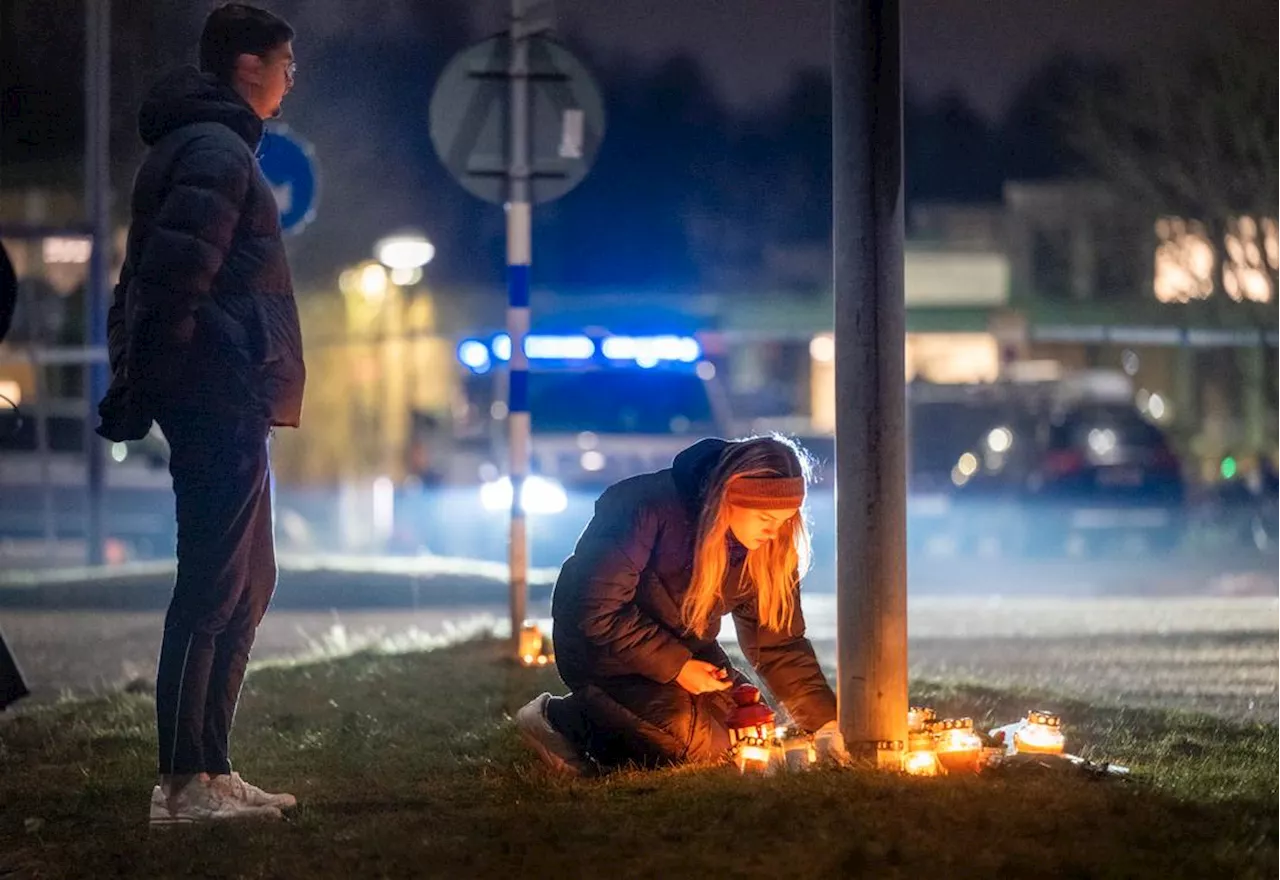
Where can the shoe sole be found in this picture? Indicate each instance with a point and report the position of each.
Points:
(276, 804)
(170, 821)
(550, 758)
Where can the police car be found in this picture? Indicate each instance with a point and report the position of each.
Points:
(603, 406)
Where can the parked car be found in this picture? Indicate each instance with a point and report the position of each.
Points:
(1083, 478)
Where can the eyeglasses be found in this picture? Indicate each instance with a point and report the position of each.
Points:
(290, 67)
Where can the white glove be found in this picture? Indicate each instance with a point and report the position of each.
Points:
(829, 742)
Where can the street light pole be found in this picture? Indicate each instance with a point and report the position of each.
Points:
(870, 326)
(519, 258)
(97, 88)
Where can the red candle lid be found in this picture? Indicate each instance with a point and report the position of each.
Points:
(751, 711)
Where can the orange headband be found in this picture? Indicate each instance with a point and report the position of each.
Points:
(766, 493)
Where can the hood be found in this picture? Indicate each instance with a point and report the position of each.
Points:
(691, 469)
(693, 466)
(186, 95)
(8, 292)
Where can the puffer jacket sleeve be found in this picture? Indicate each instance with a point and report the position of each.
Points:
(190, 239)
(788, 665)
(610, 556)
(117, 326)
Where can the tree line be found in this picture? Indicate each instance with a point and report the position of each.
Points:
(685, 190)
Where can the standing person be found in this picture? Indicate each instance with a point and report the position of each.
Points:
(637, 609)
(204, 337)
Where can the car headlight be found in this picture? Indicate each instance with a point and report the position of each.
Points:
(539, 495)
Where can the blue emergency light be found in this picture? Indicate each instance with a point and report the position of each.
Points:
(642, 351)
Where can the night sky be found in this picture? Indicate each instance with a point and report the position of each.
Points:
(982, 48)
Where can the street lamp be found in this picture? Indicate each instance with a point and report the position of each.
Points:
(401, 255)
(405, 253)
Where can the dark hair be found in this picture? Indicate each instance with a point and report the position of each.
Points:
(236, 29)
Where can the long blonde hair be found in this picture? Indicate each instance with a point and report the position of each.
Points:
(773, 568)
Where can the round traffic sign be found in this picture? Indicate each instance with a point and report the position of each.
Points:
(470, 108)
(288, 163)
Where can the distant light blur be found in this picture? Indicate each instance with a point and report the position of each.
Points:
(1185, 260)
(404, 251)
(373, 282)
(10, 389)
(1102, 441)
(64, 249)
(1000, 439)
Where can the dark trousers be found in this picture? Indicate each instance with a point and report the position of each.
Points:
(635, 720)
(12, 687)
(226, 575)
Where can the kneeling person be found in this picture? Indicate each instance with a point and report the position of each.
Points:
(637, 610)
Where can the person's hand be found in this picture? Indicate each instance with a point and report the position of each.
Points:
(701, 677)
(829, 743)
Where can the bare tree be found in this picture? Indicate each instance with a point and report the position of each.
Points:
(1190, 136)
(1190, 140)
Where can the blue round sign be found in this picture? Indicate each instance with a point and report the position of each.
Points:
(288, 163)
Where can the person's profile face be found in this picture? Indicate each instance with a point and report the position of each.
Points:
(268, 78)
(280, 71)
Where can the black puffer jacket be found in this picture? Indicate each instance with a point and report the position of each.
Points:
(616, 605)
(210, 322)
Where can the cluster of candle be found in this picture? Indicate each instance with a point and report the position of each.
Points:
(951, 745)
(934, 745)
(940, 745)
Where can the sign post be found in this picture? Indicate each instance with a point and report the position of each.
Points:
(97, 184)
(870, 332)
(517, 120)
(519, 261)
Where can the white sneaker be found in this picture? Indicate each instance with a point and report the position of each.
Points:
(202, 801)
(252, 795)
(552, 747)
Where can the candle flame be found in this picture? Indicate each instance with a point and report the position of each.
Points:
(959, 740)
(1039, 738)
(751, 757)
(920, 763)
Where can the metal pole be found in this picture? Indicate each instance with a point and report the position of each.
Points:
(97, 90)
(40, 385)
(519, 258)
(870, 326)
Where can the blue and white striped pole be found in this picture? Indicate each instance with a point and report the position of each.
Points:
(519, 258)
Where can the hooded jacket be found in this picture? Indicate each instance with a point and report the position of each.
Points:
(8, 292)
(204, 317)
(616, 604)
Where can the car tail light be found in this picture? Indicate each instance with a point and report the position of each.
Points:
(1062, 462)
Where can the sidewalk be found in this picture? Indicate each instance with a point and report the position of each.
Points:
(306, 581)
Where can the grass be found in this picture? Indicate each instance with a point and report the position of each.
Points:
(405, 765)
